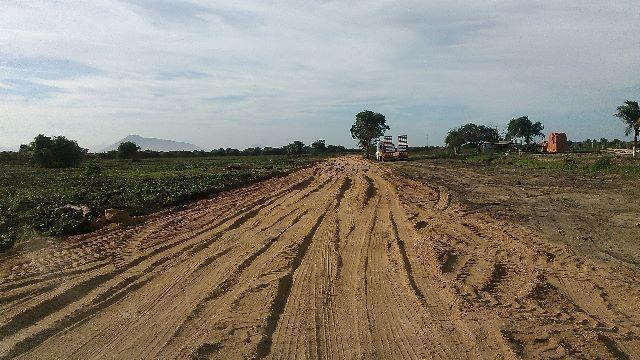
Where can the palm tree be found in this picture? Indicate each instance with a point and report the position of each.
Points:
(629, 113)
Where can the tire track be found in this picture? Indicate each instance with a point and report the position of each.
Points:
(405, 261)
(340, 260)
(79, 290)
(233, 280)
(284, 291)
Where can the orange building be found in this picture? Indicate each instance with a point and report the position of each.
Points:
(556, 143)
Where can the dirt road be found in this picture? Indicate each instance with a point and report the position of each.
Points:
(340, 260)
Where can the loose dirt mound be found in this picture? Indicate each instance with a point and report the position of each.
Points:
(341, 260)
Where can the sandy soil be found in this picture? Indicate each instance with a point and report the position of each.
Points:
(596, 215)
(344, 259)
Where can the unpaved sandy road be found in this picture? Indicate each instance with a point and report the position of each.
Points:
(339, 260)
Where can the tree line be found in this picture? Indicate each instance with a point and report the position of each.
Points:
(369, 126)
(524, 130)
(60, 152)
(472, 135)
(130, 150)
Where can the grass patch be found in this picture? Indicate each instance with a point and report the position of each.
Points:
(581, 163)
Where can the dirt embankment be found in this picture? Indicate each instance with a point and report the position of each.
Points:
(340, 260)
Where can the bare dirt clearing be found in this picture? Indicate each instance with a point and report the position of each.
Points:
(597, 215)
(340, 260)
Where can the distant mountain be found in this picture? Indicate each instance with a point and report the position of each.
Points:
(155, 144)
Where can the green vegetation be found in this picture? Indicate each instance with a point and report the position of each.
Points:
(295, 149)
(471, 135)
(45, 189)
(523, 128)
(36, 201)
(319, 146)
(128, 150)
(587, 164)
(467, 138)
(594, 145)
(56, 152)
(367, 128)
(629, 113)
(221, 152)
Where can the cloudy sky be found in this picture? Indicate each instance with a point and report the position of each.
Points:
(237, 74)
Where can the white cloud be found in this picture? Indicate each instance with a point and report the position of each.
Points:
(270, 72)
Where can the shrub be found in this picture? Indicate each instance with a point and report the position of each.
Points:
(56, 152)
(128, 150)
(602, 164)
(92, 175)
(569, 163)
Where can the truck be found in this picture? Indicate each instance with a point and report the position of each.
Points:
(387, 151)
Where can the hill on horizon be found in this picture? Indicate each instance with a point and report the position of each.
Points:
(154, 144)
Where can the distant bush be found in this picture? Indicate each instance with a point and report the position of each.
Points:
(295, 149)
(128, 150)
(602, 164)
(92, 170)
(56, 152)
(10, 157)
(252, 151)
(570, 163)
(92, 174)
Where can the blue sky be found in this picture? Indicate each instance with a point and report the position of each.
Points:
(223, 74)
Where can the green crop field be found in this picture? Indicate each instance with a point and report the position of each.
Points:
(33, 201)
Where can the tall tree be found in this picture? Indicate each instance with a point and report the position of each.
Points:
(629, 113)
(367, 128)
(454, 140)
(523, 128)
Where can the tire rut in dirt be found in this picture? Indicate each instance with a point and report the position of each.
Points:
(406, 262)
(233, 279)
(284, 291)
(342, 260)
(116, 292)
